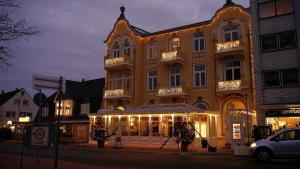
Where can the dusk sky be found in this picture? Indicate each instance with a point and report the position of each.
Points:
(72, 34)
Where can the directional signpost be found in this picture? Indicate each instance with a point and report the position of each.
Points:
(40, 134)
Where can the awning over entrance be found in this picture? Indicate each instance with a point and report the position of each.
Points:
(156, 109)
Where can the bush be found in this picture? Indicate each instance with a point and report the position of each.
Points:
(5, 134)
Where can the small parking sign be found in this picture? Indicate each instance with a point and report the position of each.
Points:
(39, 136)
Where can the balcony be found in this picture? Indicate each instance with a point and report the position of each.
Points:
(232, 85)
(116, 93)
(229, 48)
(172, 57)
(123, 62)
(171, 92)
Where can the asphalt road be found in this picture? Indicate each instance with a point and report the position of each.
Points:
(113, 158)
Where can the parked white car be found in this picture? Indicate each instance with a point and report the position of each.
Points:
(285, 143)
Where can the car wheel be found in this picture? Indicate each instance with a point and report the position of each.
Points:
(263, 155)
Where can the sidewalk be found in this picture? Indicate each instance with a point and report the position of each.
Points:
(148, 149)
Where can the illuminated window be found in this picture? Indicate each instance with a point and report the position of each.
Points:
(152, 51)
(200, 75)
(199, 43)
(233, 70)
(65, 109)
(284, 7)
(174, 44)
(267, 9)
(231, 33)
(275, 8)
(175, 76)
(152, 79)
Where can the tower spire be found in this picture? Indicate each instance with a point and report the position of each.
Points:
(228, 2)
(122, 9)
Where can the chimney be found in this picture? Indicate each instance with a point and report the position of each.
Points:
(2, 91)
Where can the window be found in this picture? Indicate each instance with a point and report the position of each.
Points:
(175, 76)
(10, 114)
(17, 102)
(275, 8)
(174, 43)
(116, 50)
(231, 33)
(271, 78)
(45, 111)
(127, 48)
(287, 40)
(85, 108)
(276, 41)
(66, 130)
(286, 136)
(152, 79)
(66, 108)
(290, 77)
(199, 43)
(233, 70)
(200, 75)
(267, 9)
(152, 51)
(25, 102)
(121, 80)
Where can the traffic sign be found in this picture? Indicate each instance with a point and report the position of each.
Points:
(47, 82)
(39, 136)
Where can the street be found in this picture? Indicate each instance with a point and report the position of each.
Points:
(72, 156)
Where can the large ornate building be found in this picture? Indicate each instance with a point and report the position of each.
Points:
(201, 73)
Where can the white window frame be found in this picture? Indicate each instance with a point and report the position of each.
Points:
(125, 81)
(151, 79)
(199, 46)
(231, 33)
(175, 71)
(232, 68)
(200, 75)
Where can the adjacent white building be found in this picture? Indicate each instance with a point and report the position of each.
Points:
(276, 36)
(16, 107)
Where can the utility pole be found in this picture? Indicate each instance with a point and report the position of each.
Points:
(57, 130)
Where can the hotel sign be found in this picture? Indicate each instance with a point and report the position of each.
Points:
(283, 113)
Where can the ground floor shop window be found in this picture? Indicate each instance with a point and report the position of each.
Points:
(114, 125)
(144, 125)
(155, 126)
(134, 126)
(282, 122)
(124, 126)
(66, 130)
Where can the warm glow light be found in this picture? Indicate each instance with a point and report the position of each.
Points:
(113, 93)
(9, 122)
(113, 61)
(24, 119)
(170, 92)
(121, 108)
(229, 85)
(167, 56)
(227, 46)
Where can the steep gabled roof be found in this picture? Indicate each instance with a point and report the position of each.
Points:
(6, 96)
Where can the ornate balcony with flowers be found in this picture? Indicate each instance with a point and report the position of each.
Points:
(123, 62)
(231, 85)
(172, 57)
(116, 93)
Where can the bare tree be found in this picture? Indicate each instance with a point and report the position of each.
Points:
(11, 30)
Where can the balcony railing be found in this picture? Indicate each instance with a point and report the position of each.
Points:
(116, 93)
(174, 91)
(118, 62)
(228, 46)
(172, 57)
(229, 85)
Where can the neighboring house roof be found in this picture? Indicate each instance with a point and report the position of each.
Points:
(140, 32)
(6, 96)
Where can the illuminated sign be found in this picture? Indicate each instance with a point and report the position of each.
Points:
(114, 93)
(24, 119)
(236, 131)
(229, 85)
(113, 61)
(227, 46)
(170, 92)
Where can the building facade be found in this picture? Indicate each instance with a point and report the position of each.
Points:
(79, 100)
(200, 73)
(16, 107)
(276, 34)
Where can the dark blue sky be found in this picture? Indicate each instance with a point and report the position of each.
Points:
(71, 42)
